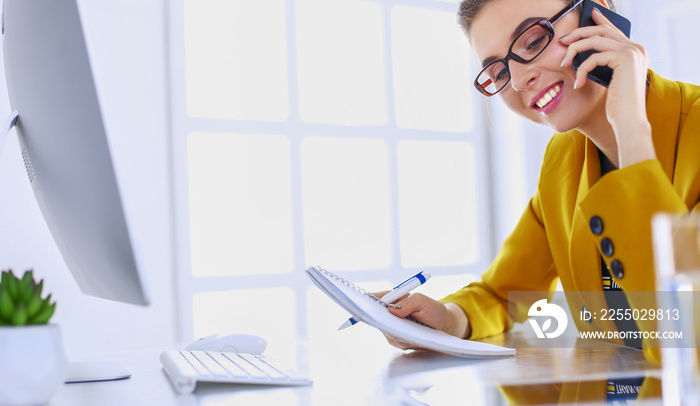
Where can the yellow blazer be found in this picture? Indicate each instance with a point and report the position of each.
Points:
(555, 236)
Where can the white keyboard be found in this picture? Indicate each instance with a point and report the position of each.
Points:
(186, 368)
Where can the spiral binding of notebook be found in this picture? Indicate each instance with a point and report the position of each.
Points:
(354, 286)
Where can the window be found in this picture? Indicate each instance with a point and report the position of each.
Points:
(343, 134)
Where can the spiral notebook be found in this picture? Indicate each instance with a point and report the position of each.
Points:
(368, 308)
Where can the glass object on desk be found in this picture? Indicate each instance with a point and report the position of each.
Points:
(677, 260)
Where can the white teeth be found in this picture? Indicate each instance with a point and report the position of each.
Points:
(548, 96)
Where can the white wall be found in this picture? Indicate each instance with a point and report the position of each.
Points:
(127, 47)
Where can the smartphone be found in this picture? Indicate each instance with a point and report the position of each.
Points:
(601, 74)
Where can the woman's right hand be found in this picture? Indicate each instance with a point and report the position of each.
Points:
(625, 103)
(447, 317)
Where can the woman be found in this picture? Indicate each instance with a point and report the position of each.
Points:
(642, 133)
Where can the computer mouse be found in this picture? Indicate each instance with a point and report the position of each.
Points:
(242, 343)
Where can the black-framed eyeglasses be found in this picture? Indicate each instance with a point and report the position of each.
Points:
(527, 46)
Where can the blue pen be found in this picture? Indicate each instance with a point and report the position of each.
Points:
(397, 293)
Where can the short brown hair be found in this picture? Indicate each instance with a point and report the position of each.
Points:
(470, 9)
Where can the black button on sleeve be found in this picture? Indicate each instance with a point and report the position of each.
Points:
(596, 225)
(607, 247)
(617, 269)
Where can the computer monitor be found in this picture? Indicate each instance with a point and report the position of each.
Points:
(65, 148)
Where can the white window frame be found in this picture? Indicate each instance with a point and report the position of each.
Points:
(181, 125)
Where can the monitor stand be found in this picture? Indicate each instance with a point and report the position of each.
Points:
(95, 371)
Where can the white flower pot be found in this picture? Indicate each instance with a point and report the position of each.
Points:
(33, 364)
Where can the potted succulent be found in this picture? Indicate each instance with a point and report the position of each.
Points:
(33, 363)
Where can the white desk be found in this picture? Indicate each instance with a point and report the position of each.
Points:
(357, 367)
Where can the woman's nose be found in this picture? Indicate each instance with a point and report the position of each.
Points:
(522, 75)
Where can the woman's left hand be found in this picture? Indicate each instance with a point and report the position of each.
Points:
(626, 99)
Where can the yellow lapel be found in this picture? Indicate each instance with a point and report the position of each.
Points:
(663, 112)
(583, 250)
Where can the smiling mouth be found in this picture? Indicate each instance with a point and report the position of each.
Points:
(547, 97)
